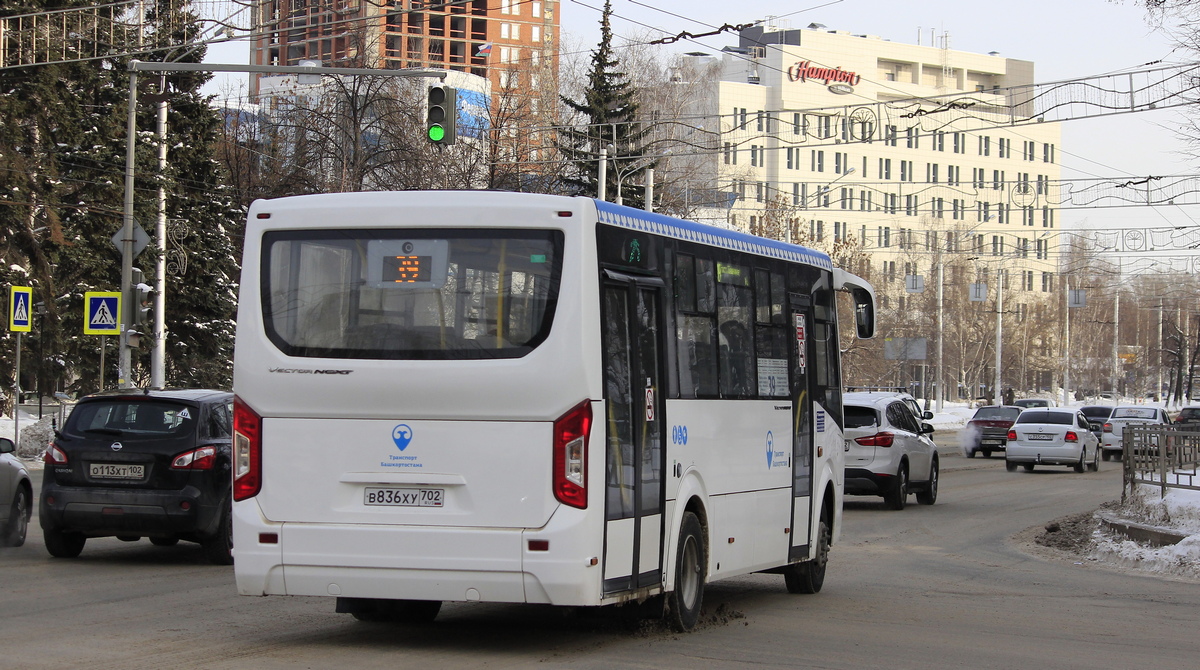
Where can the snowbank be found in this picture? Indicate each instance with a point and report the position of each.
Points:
(1179, 511)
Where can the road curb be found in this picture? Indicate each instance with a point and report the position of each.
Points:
(1140, 532)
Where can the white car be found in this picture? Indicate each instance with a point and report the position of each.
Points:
(1052, 436)
(888, 450)
(16, 496)
(1114, 428)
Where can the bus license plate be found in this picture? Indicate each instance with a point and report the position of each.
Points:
(393, 497)
(116, 471)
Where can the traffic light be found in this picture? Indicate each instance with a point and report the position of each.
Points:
(140, 299)
(442, 112)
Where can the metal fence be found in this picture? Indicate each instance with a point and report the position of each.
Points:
(1162, 456)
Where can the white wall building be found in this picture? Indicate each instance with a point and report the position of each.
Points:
(827, 135)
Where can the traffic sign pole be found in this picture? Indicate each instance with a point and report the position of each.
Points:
(20, 320)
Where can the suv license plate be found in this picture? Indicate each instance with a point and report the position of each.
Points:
(116, 471)
(393, 497)
(1039, 436)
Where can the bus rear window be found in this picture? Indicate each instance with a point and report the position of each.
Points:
(410, 294)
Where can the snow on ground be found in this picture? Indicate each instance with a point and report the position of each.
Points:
(1178, 511)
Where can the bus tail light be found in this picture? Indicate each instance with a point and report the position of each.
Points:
(570, 455)
(881, 439)
(247, 451)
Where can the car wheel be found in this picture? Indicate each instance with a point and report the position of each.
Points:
(62, 544)
(1010, 466)
(1105, 454)
(1094, 466)
(809, 576)
(164, 541)
(688, 596)
(219, 547)
(18, 520)
(895, 498)
(1080, 466)
(1028, 467)
(987, 453)
(928, 495)
(129, 538)
(971, 452)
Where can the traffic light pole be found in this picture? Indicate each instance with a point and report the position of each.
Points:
(125, 371)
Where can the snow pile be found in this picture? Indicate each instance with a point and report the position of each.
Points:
(1178, 511)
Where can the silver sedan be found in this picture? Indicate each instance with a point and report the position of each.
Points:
(1052, 436)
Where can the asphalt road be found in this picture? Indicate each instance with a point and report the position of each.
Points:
(947, 586)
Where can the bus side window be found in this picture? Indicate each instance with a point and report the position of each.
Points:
(735, 312)
(696, 339)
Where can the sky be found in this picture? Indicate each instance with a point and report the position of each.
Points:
(1066, 39)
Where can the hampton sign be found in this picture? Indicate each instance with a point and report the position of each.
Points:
(837, 79)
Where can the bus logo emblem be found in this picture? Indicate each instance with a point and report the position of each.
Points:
(402, 435)
(770, 448)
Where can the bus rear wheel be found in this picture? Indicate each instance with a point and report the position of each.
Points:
(685, 601)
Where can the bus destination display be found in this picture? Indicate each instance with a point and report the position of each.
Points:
(406, 269)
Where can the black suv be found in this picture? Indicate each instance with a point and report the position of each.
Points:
(136, 464)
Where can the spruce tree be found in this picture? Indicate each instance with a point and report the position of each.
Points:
(609, 112)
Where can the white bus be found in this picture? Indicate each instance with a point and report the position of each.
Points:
(505, 397)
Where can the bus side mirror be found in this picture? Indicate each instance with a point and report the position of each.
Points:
(864, 313)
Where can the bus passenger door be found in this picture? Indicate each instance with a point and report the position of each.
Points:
(633, 428)
(800, 319)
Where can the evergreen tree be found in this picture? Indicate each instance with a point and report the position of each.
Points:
(62, 160)
(609, 111)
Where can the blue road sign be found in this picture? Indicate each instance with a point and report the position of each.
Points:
(102, 313)
(20, 300)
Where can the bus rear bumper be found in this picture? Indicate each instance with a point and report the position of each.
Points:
(416, 563)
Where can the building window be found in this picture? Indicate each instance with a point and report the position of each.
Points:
(931, 173)
(890, 137)
(997, 245)
(1047, 153)
(985, 145)
(841, 162)
(1047, 282)
(818, 160)
(797, 198)
(906, 171)
(957, 210)
(846, 198)
(1047, 217)
(913, 138)
(1042, 249)
(910, 205)
(997, 180)
(960, 143)
(939, 141)
(1005, 147)
(754, 155)
(885, 168)
(939, 208)
(953, 173)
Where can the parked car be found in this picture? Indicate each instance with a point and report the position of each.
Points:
(1026, 403)
(1097, 414)
(141, 464)
(1188, 417)
(889, 452)
(1052, 436)
(987, 431)
(16, 496)
(1122, 416)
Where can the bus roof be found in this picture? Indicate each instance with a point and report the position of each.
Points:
(637, 219)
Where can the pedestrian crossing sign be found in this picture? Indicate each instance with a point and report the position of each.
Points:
(102, 313)
(19, 301)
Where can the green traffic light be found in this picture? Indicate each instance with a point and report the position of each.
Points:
(436, 133)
